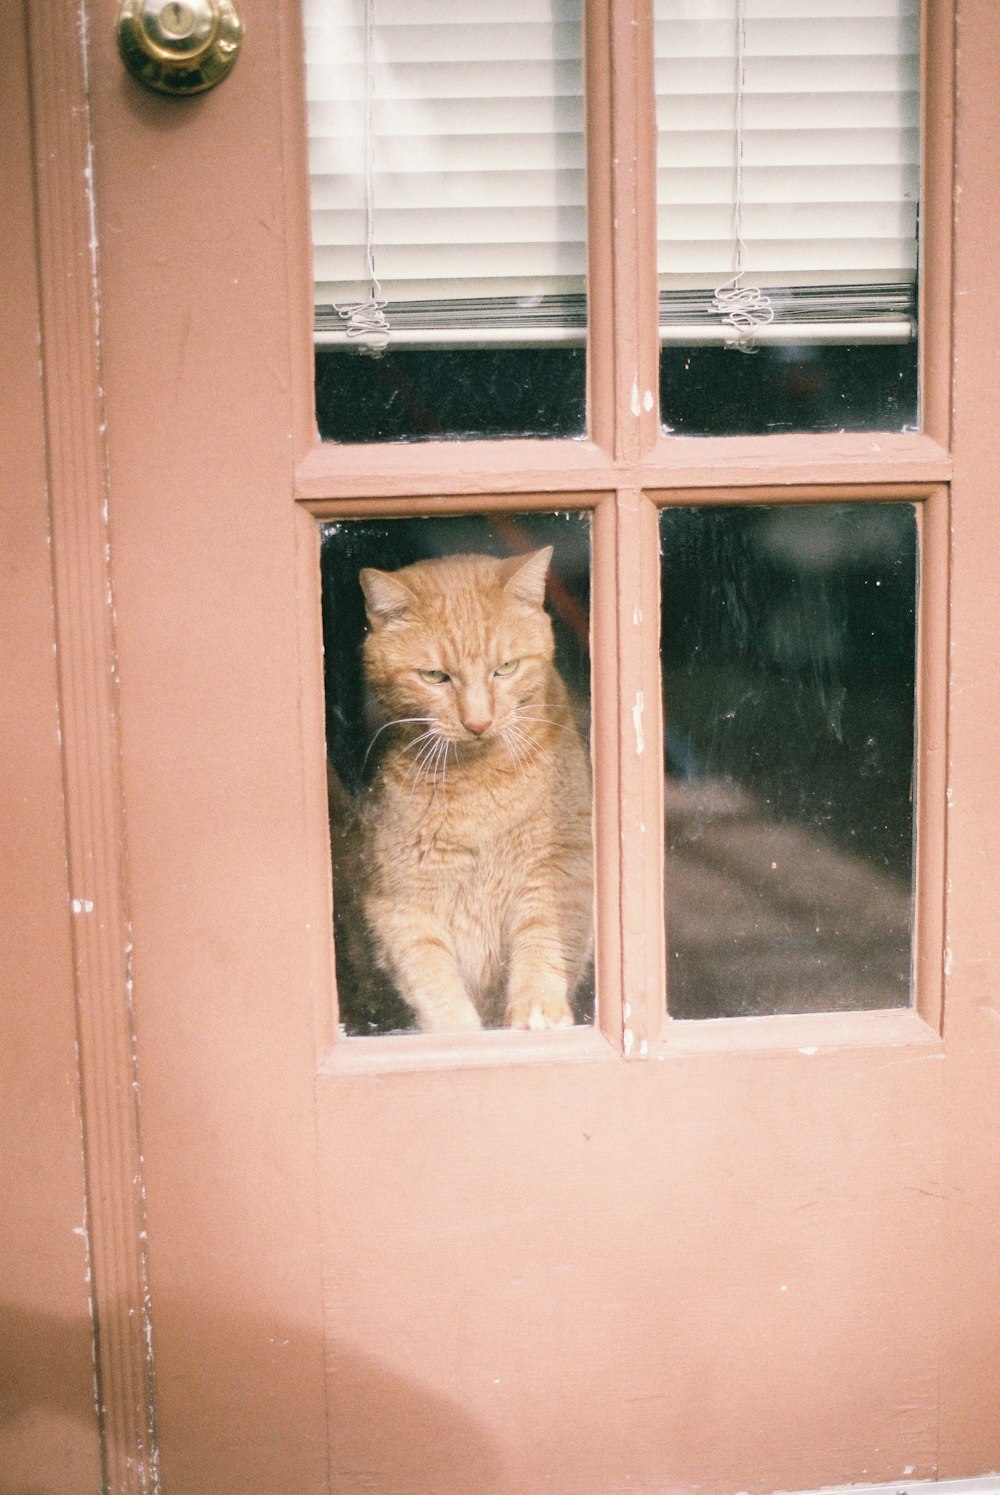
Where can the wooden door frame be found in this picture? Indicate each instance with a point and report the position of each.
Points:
(625, 460)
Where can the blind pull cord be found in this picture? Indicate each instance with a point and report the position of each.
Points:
(366, 320)
(744, 308)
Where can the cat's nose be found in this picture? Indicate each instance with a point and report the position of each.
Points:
(477, 725)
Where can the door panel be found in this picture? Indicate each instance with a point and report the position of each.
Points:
(683, 1270)
(764, 1256)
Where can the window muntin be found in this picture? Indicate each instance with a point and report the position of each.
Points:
(789, 637)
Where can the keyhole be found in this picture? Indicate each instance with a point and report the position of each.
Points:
(177, 19)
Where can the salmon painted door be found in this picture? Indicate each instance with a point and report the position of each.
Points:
(649, 1252)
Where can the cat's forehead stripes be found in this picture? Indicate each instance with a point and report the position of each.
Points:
(465, 611)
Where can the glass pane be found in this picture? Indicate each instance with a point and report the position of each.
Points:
(449, 217)
(457, 700)
(789, 673)
(788, 185)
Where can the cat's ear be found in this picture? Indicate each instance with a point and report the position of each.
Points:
(386, 599)
(524, 575)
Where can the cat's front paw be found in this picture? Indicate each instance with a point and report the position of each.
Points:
(539, 1012)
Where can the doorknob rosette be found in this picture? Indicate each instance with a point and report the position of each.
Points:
(179, 47)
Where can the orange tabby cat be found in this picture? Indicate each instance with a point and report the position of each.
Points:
(476, 830)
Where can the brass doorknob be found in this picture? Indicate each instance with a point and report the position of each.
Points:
(179, 46)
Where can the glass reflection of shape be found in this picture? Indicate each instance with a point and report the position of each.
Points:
(789, 674)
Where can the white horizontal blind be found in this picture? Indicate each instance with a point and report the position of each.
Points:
(829, 118)
(477, 190)
(478, 193)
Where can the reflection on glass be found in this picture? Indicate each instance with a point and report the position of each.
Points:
(449, 217)
(788, 648)
(457, 698)
(787, 189)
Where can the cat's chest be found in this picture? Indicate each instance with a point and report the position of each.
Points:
(468, 834)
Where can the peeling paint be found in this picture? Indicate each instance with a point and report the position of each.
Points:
(628, 1039)
(83, 906)
(635, 398)
(647, 400)
(637, 711)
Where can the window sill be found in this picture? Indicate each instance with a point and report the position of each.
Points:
(491, 1049)
(809, 1033)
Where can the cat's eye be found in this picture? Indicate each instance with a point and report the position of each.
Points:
(507, 668)
(433, 677)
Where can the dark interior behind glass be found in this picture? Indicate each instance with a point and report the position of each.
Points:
(788, 643)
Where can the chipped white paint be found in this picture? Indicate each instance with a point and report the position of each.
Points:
(647, 400)
(809, 1052)
(643, 1048)
(83, 906)
(637, 711)
(627, 1010)
(637, 616)
(628, 1040)
(636, 408)
(947, 958)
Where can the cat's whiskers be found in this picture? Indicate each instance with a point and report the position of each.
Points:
(441, 761)
(431, 733)
(430, 766)
(547, 721)
(397, 721)
(524, 746)
(418, 769)
(509, 741)
(528, 743)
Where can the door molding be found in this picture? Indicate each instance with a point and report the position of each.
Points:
(84, 617)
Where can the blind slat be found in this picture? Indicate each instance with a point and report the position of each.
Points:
(479, 184)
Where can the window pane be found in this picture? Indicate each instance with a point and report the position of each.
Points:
(460, 800)
(788, 181)
(789, 672)
(449, 217)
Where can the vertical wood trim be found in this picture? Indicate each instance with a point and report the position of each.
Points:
(641, 774)
(931, 758)
(633, 229)
(600, 236)
(605, 748)
(298, 228)
(937, 188)
(86, 669)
